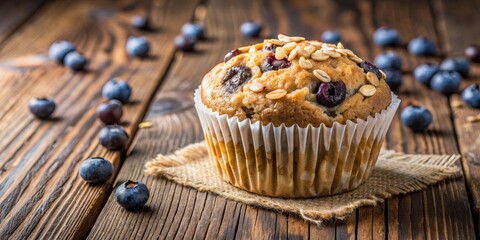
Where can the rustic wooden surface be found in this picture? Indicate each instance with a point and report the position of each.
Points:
(41, 195)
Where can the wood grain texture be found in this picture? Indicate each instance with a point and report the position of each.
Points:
(41, 195)
(454, 22)
(15, 13)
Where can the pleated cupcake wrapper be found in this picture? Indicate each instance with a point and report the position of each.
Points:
(294, 162)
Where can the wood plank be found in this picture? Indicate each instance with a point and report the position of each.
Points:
(172, 106)
(455, 25)
(41, 195)
(14, 14)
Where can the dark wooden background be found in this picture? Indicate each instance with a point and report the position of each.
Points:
(42, 196)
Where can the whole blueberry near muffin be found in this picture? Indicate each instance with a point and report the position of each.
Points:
(113, 137)
(132, 195)
(137, 46)
(42, 108)
(386, 37)
(276, 109)
(75, 61)
(59, 49)
(416, 118)
(422, 46)
(471, 95)
(457, 64)
(388, 60)
(425, 72)
(117, 89)
(96, 170)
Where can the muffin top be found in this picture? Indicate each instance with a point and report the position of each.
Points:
(291, 80)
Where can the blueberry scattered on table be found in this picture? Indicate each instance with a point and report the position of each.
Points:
(42, 108)
(141, 22)
(386, 37)
(132, 195)
(394, 78)
(75, 61)
(473, 53)
(369, 67)
(110, 112)
(235, 77)
(59, 49)
(271, 63)
(471, 95)
(330, 94)
(96, 170)
(113, 137)
(231, 54)
(116, 89)
(422, 46)
(331, 37)
(446, 82)
(388, 60)
(137, 46)
(425, 72)
(193, 30)
(250, 29)
(416, 118)
(185, 43)
(458, 64)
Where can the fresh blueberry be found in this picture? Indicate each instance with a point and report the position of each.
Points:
(42, 107)
(59, 49)
(471, 95)
(331, 37)
(394, 78)
(271, 63)
(75, 61)
(96, 170)
(132, 195)
(141, 22)
(422, 46)
(446, 82)
(416, 118)
(388, 60)
(110, 112)
(185, 43)
(250, 29)
(473, 53)
(425, 72)
(116, 89)
(113, 137)
(458, 64)
(330, 94)
(193, 30)
(232, 54)
(369, 67)
(386, 37)
(138, 46)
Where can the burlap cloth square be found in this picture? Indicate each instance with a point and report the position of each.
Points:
(395, 173)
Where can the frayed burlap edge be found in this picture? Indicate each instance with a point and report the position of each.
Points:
(395, 173)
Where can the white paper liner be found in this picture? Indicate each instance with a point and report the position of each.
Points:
(294, 162)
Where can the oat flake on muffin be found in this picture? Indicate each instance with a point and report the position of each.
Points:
(291, 80)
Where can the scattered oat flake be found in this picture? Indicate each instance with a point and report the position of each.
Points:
(145, 125)
(457, 104)
(475, 118)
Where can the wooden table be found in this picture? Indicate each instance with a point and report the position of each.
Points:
(42, 196)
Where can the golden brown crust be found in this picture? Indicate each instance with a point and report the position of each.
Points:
(298, 105)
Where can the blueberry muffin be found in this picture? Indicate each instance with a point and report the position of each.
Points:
(295, 118)
(295, 81)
